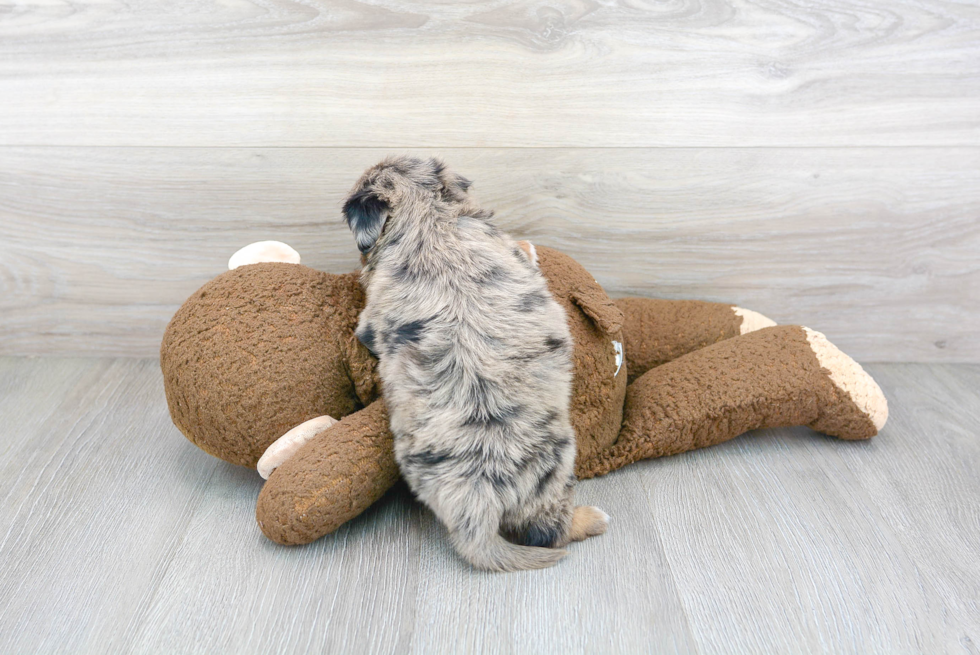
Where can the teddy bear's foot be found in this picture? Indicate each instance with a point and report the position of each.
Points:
(851, 383)
(751, 321)
(286, 446)
(587, 521)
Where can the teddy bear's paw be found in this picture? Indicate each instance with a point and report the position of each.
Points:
(852, 380)
(588, 522)
(286, 446)
(751, 321)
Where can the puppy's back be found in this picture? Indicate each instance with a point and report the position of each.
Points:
(475, 359)
(471, 327)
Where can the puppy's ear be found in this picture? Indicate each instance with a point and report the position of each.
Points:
(463, 183)
(366, 214)
(454, 186)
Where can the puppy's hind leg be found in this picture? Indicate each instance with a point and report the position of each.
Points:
(474, 529)
(587, 521)
(556, 524)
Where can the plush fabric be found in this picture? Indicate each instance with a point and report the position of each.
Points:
(267, 346)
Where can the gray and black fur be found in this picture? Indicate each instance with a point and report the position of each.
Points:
(475, 359)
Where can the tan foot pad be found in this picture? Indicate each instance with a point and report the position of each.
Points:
(847, 375)
(751, 321)
(286, 446)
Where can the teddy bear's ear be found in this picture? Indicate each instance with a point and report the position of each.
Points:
(366, 214)
(599, 307)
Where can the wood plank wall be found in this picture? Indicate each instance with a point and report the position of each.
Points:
(816, 161)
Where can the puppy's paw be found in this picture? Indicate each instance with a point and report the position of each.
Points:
(588, 522)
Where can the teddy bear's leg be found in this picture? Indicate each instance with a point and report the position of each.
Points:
(774, 377)
(330, 480)
(658, 331)
(286, 446)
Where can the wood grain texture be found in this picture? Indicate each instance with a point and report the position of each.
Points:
(97, 491)
(117, 535)
(875, 247)
(393, 73)
(612, 594)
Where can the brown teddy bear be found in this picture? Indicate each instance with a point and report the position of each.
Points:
(261, 362)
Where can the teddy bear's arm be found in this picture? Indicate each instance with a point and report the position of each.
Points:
(658, 331)
(774, 377)
(330, 480)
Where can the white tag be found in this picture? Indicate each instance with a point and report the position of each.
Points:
(619, 356)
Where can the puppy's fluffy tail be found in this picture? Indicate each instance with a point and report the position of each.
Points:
(494, 553)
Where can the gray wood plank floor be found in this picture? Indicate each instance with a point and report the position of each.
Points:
(117, 535)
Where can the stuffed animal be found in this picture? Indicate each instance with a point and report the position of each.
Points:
(261, 367)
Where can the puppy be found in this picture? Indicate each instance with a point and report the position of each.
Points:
(475, 361)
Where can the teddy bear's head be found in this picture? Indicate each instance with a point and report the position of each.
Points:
(260, 349)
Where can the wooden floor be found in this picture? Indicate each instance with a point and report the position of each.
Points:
(117, 535)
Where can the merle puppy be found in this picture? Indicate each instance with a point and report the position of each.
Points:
(475, 359)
